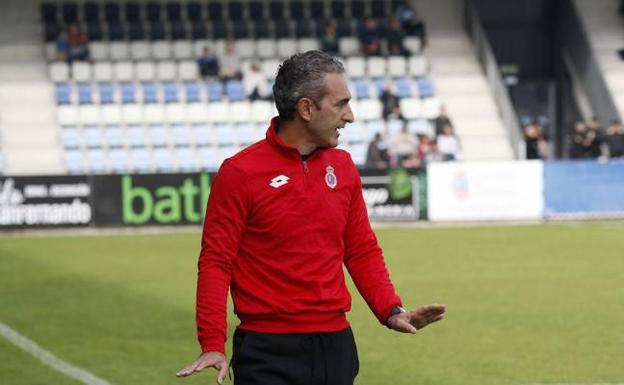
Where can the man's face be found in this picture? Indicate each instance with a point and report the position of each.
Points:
(334, 112)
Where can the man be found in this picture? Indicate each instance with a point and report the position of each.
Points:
(283, 216)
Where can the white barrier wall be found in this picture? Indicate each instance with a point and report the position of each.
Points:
(476, 191)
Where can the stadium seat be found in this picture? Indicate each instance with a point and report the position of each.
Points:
(119, 50)
(194, 11)
(220, 29)
(240, 111)
(123, 71)
(185, 158)
(131, 114)
(85, 93)
(338, 9)
(132, 11)
(234, 90)
(305, 29)
(358, 9)
(140, 50)
(411, 108)
(203, 135)
(207, 158)
(145, 70)
(110, 114)
(397, 66)
(141, 160)
(157, 30)
(355, 66)
(171, 92)
(431, 107)
(269, 68)
(88, 115)
(93, 137)
(112, 11)
(348, 46)
(266, 48)
(94, 31)
(218, 112)
(166, 70)
(158, 136)
(379, 9)
(425, 87)
(182, 49)
(369, 109)
(197, 113)
(376, 67)
(261, 111)
(276, 10)
(260, 29)
(69, 12)
(153, 114)
(115, 30)
(192, 92)
(106, 93)
(417, 65)
(153, 11)
(362, 89)
(62, 93)
(297, 10)
(118, 159)
(96, 162)
(70, 137)
(235, 10)
(175, 113)
(49, 12)
(413, 44)
(187, 70)
(245, 48)
(198, 30)
(316, 9)
(67, 115)
(136, 31)
(225, 134)
(74, 161)
(283, 29)
(307, 44)
(256, 10)
(404, 88)
(128, 92)
(102, 71)
(246, 134)
(181, 135)
(173, 11)
(59, 72)
(135, 136)
(214, 91)
(81, 71)
(163, 159)
(286, 47)
(161, 50)
(150, 92)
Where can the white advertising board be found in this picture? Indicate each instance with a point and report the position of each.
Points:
(484, 191)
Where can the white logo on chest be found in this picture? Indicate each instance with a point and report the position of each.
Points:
(279, 181)
(330, 177)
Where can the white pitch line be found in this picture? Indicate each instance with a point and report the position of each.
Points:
(49, 359)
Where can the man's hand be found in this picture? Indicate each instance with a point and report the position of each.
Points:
(208, 359)
(412, 320)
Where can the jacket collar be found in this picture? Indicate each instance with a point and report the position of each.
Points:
(274, 139)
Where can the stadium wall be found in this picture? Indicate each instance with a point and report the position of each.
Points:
(458, 191)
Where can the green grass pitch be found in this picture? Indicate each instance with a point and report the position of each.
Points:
(539, 304)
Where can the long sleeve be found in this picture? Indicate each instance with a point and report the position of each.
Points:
(364, 259)
(226, 215)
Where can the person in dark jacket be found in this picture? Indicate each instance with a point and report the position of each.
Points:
(283, 217)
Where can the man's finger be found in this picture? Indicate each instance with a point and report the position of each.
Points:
(187, 371)
(404, 326)
(223, 368)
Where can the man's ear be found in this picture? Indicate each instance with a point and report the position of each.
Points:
(304, 108)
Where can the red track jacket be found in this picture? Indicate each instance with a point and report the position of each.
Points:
(277, 232)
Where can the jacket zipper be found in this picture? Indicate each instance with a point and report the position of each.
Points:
(305, 173)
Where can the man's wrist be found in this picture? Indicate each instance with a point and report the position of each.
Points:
(394, 311)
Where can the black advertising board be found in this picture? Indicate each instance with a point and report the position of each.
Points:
(150, 199)
(45, 201)
(394, 195)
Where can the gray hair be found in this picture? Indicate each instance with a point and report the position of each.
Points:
(303, 75)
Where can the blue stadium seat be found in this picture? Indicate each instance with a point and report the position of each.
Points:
(136, 31)
(246, 134)
(135, 136)
(178, 30)
(198, 30)
(235, 10)
(276, 10)
(141, 160)
(157, 135)
(91, 11)
(150, 92)
(186, 159)
(85, 93)
(132, 11)
(192, 92)
(96, 161)
(157, 30)
(70, 137)
(181, 135)
(106, 93)
(234, 90)
(202, 134)
(62, 92)
(380, 83)
(403, 87)
(171, 92)
(94, 31)
(194, 11)
(153, 11)
(362, 89)
(69, 11)
(128, 92)
(425, 87)
(74, 162)
(119, 160)
(208, 158)
(112, 11)
(296, 10)
(49, 13)
(113, 137)
(215, 91)
(215, 10)
(115, 30)
(225, 134)
(173, 10)
(93, 137)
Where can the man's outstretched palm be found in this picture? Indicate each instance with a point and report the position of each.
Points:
(413, 320)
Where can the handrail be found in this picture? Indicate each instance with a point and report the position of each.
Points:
(495, 80)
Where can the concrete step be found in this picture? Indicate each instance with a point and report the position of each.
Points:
(479, 127)
(486, 148)
(24, 71)
(461, 84)
(21, 115)
(20, 161)
(24, 52)
(25, 135)
(33, 94)
(472, 107)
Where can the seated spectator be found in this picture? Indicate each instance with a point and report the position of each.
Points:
(208, 64)
(390, 103)
(580, 141)
(370, 38)
(62, 47)
(402, 147)
(395, 36)
(255, 84)
(329, 38)
(377, 154)
(442, 120)
(410, 22)
(426, 150)
(536, 145)
(615, 140)
(595, 132)
(448, 145)
(78, 49)
(229, 63)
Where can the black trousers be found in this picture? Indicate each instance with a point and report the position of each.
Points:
(294, 359)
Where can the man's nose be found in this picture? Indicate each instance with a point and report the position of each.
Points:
(349, 115)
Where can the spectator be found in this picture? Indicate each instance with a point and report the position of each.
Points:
(390, 102)
(426, 150)
(402, 147)
(395, 36)
(208, 64)
(370, 38)
(580, 141)
(442, 120)
(78, 49)
(230, 65)
(62, 47)
(595, 133)
(255, 84)
(615, 140)
(448, 145)
(536, 145)
(329, 38)
(411, 24)
(377, 154)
